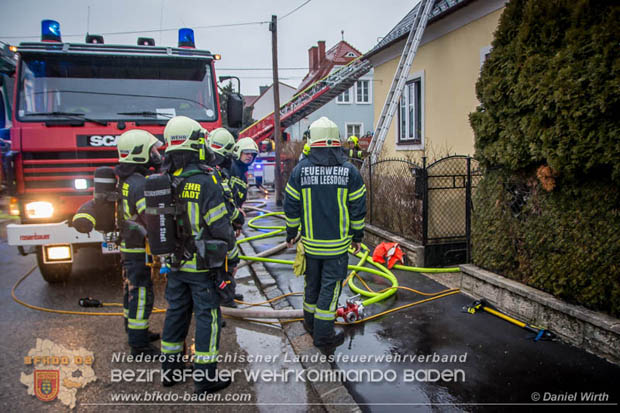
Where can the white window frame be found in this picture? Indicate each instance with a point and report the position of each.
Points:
(369, 101)
(346, 128)
(416, 146)
(344, 102)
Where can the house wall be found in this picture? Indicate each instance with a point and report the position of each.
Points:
(450, 60)
(341, 114)
(264, 104)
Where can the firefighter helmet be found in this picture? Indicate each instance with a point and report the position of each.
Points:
(245, 145)
(324, 133)
(184, 134)
(134, 146)
(221, 141)
(353, 139)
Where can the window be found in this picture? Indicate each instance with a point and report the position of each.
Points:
(344, 97)
(410, 113)
(354, 129)
(362, 91)
(484, 54)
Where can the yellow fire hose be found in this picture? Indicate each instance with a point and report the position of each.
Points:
(247, 314)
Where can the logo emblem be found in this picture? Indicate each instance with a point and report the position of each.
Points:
(46, 384)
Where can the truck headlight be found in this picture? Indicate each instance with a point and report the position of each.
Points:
(39, 209)
(57, 253)
(80, 184)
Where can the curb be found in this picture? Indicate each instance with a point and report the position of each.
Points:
(335, 397)
(592, 331)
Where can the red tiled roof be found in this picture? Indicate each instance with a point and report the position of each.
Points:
(249, 100)
(340, 54)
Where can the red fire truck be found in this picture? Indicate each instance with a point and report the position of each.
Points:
(71, 102)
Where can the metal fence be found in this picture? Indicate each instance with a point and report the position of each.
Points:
(392, 200)
(430, 204)
(449, 183)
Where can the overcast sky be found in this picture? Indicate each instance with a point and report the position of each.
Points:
(241, 46)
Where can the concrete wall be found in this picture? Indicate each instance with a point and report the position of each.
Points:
(449, 60)
(595, 332)
(341, 113)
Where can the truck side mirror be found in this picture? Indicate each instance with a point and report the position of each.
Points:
(235, 110)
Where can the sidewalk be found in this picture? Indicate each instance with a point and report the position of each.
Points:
(482, 361)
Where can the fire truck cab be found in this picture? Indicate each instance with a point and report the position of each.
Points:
(71, 102)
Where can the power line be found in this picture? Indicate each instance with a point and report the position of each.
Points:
(257, 68)
(214, 26)
(295, 9)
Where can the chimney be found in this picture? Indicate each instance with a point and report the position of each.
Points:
(321, 58)
(313, 58)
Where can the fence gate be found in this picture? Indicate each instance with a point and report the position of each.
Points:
(447, 210)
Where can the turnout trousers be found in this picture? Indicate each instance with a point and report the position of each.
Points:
(323, 284)
(187, 292)
(137, 299)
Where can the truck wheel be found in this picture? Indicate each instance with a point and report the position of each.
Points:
(53, 273)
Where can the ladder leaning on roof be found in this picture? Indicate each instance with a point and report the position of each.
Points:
(309, 100)
(400, 77)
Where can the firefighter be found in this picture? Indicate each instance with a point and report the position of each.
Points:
(244, 153)
(191, 285)
(137, 150)
(221, 142)
(326, 197)
(355, 152)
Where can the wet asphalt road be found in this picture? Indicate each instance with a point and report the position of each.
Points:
(502, 366)
(21, 327)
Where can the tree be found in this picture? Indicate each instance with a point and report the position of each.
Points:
(550, 89)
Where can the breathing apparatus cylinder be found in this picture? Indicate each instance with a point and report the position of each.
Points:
(160, 214)
(106, 196)
(84, 219)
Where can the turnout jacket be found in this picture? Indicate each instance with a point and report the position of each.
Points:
(203, 199)
(238, 182)
(236, 217)
(326, 197)
(132, 206)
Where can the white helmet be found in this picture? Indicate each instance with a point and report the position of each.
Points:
(134, 146)
(324, 133)
(245, 145)
(184, 134)
(221, 141)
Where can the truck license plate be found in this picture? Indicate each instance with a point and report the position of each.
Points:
(110, 248)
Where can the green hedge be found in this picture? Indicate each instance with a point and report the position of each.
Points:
(565, 242)
(547, 132)
(550, 89)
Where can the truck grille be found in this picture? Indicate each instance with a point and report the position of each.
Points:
(56, 171)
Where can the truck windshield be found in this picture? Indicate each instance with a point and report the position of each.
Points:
(115, 87)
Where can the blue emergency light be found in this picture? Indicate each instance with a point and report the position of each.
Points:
(186, 38)
(50, 31)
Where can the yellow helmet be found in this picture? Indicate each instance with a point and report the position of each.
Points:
(221, 141)
(184, 134)
(324, 133)
(134, 146)
(353, 139)
(245, 145)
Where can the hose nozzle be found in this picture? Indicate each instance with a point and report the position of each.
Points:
(90, 302)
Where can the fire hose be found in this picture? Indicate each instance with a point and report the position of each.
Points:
(353, 312)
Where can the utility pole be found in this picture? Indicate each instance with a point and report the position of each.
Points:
(273, 28)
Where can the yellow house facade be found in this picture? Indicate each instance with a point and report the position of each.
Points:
(432, 117)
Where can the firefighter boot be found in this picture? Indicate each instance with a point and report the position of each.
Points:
(172, 369)
(211, 383)
(329, 343)
(148, 350)
(309, 322)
